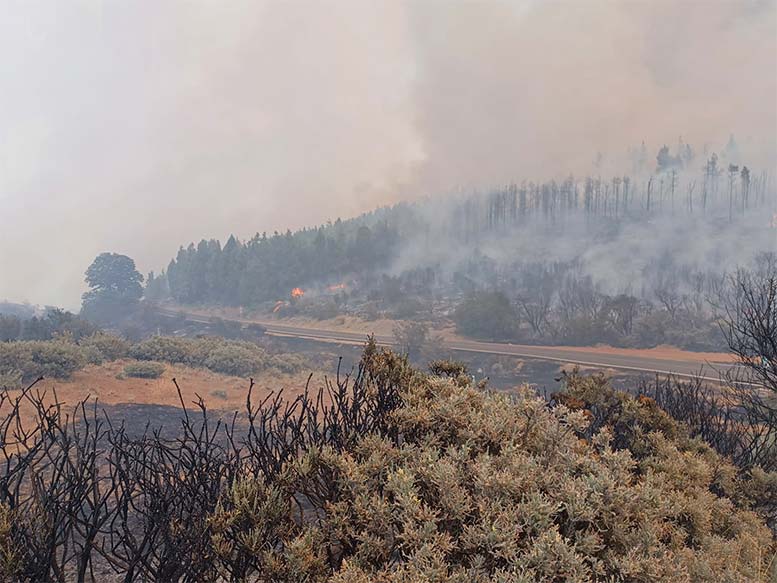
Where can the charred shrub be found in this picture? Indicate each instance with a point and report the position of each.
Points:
(448, 368)
(629, 419)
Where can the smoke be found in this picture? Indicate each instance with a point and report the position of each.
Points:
(621, 253)
(538, 92)
(138, 127)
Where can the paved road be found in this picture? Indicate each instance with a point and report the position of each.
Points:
(583, 356)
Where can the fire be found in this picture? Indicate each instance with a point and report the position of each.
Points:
(336, 287)
(297, 292)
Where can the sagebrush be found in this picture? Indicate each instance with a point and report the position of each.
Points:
(385, 474)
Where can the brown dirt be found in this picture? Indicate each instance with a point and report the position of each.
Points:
(663, 352)
(220, 392)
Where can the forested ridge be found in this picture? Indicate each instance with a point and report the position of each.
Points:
(266, 267)
(591, 209)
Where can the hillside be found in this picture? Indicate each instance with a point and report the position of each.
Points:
(629, 261)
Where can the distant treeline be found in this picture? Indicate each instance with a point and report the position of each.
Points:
(53, 324)
(268, 267)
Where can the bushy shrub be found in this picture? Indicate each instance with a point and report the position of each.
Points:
(164, 348)
(233, 357)
(144, 370)
(108, 346)
(32, 359)
(482, 488)
(11, 379)
(288, 363)
(448, 368)
(236, 360)
(320, 310)
(631, 420)
(60, 358)
(408, 308)
(488, 315)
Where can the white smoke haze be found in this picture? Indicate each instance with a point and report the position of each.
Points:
(621, 255)
(138, 127)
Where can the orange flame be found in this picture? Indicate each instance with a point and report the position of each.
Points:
(297, 292)
(336, 287)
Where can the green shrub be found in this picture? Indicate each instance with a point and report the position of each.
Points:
(92, 355)
(164, 348)
(144, 370)
(219, 393)
(486, 487)
(487, 315)
(321, 310)
(54, 358)
(108, 346)
(631, 420)
(236, 360)
(409, 308)
(11, 379)
(60, 358)
(288, 363)
(232, 357)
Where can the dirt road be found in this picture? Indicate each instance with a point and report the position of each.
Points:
(675, 361)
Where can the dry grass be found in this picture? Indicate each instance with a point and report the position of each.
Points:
(107, 384)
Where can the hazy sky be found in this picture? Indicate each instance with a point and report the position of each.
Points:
(139, 126)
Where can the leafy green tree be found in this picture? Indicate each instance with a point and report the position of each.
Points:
(63, 323)
(487, 315)
(10, 328)
(156, 287)
(415, 340)
(115, 288)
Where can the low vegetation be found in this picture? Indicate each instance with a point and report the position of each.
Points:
(388, 475)
(24, 361)
(144, 370)
(232, 357)
(55, 323)
(487, 315)
(36, 358)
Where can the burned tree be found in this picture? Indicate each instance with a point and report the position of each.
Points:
(750, 327)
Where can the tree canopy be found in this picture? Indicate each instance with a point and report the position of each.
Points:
(115, 287)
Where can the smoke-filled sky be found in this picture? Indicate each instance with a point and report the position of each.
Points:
(136, 127)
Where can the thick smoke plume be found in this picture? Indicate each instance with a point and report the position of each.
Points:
(137, 127)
